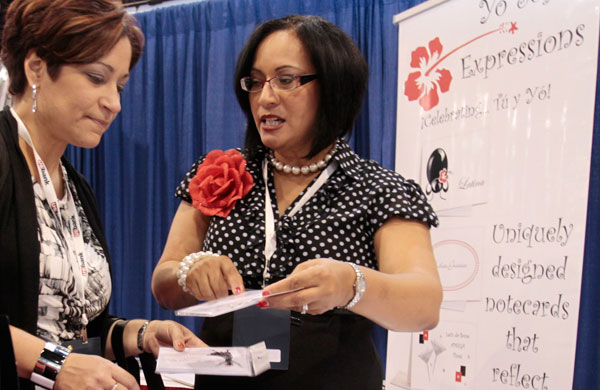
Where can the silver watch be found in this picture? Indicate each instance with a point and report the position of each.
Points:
(360, 285)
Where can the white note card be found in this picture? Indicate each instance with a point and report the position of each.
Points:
(226, 361)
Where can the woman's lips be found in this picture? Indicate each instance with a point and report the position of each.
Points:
(271, 122)
(102, 123)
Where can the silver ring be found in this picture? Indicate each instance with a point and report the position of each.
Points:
(115, 386)
(304, 308)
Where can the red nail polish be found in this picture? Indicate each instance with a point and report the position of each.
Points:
(181, 345)
(237, 290)
(263, 304)
(266, 293)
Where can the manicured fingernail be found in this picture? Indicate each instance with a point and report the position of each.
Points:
(181, 345)
(266, 293)
(263, 304)
(237, 290)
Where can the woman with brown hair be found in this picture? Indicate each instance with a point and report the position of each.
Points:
(347, 237)
(68, 61)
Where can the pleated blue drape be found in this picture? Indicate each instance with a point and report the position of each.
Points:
(179, 103)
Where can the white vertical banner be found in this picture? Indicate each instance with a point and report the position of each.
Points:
(495, 121)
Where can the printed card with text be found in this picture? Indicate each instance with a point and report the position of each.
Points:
(443, 358)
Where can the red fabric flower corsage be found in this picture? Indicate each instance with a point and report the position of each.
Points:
(220, 181)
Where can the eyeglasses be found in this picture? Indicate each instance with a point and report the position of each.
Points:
(284, 82)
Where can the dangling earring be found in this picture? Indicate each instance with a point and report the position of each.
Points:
(34, 106)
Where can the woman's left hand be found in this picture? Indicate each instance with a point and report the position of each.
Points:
(169, 334)
(325, 284)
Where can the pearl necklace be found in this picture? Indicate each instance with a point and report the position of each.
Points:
(306, 169)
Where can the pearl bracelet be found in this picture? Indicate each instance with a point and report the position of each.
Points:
(185, 266)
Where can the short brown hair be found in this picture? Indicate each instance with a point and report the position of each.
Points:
(64, 32)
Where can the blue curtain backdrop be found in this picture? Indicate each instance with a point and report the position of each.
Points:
(180, 103)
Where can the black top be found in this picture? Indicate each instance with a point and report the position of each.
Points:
(335, 349)
(338, 222)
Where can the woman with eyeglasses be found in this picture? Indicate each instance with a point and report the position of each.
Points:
(347, 237)
(68, 62)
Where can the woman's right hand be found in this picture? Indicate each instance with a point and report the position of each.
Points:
(208, 278)
(211, 277)
(91, 372)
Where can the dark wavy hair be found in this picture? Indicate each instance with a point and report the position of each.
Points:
(64, 32)
(342, 70)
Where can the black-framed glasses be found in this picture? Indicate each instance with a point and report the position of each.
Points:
(284, 82)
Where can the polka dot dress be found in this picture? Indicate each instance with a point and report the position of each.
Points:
(338, 222)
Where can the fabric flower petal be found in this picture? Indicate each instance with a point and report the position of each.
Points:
(220, 181)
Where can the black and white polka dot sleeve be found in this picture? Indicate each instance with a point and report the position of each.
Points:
(394, 196)
(182, 191)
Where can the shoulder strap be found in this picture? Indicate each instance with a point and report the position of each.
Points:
(153, 380)
(116, 339)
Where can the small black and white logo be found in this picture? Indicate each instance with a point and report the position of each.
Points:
(437, 173)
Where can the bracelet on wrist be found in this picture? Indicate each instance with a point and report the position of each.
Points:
(140, 336)
(49, 364)
(186, 264)
(360, 286)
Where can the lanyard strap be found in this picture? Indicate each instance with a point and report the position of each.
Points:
(75, 245)
(270, 233)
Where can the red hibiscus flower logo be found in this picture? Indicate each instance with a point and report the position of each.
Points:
(220, 181)
(424, 83)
